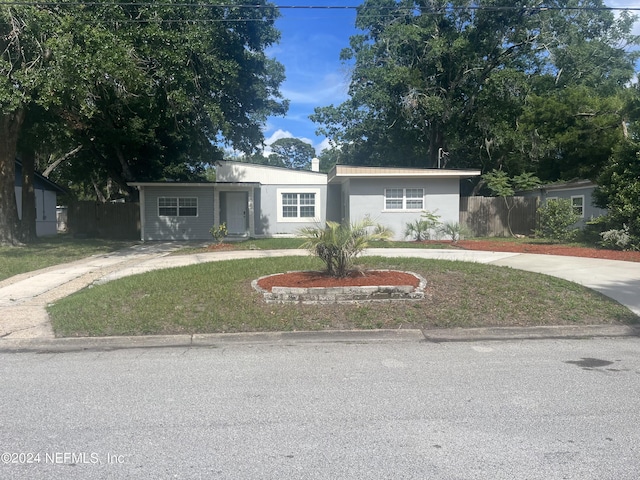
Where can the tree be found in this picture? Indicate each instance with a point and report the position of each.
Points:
(147, 91)
(31, 74)
(293, 153)
(457, 75)
(500, 184)
(619, 189)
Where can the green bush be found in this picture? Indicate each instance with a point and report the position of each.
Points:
(337, 245)
(556, 219)
(455, 231)
(619, 188)
(618, 239)
(219, 233)
(421, 228)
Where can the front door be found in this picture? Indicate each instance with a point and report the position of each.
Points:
(236, 213)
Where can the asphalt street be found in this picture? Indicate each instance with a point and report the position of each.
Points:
(542, 409)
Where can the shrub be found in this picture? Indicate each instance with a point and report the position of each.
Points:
(337, 245)
(219, 233)
(455, 231)
(619, 187)
(556, 219)
(421, 228)
(617, 239)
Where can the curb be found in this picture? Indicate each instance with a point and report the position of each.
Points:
(213, 340)
(530, 333)
(221, 340)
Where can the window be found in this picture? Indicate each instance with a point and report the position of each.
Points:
(577, 202)
(177, 206)
(298, 205)
(295, 205)
(403, 198)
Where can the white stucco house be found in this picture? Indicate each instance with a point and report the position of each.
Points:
(46, 193)
(264, 201)
(579, 192)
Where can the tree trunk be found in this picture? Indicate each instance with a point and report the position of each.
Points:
(28, 221)
(10, 125)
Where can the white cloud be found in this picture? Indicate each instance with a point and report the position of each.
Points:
(626, 4)
(331, 88)
(324, 145)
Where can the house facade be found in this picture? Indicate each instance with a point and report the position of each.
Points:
(264, 201)
(579, 192)
(46, 193)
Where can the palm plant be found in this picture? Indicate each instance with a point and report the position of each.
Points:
(456, 231)
(337, 245)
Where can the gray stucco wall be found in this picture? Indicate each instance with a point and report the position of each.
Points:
(334, 203)
(177, 228)
(442, 197)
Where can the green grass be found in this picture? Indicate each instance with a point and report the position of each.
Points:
(218, 297)
(49, 251)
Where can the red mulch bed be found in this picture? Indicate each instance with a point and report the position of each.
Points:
(218, 247)
(548, 249)
(354, 279)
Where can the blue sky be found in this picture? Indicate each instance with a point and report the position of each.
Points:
(310, 51)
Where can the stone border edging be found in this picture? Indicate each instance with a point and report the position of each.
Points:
(347, 294)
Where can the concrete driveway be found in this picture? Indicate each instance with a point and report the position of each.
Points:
(23, 298)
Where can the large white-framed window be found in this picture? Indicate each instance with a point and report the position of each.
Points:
(577, 202)
(404, 198)
(298, 204)
(178, 206)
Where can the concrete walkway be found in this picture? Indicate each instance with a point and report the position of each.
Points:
(23, 298)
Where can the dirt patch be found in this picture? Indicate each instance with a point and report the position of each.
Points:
(219, 247)
(354, 279)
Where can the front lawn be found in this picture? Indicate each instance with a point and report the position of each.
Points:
(217, 297)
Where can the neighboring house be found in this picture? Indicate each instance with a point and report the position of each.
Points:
(264, 201)
(46, 199)
(579, 192)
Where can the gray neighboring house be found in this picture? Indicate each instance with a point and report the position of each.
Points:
(579, 192)
(46, 193)
(264, 201)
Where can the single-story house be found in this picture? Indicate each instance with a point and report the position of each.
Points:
(46, 199)
(579, 192)
(265, 201)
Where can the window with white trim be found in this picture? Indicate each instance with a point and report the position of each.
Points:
(177, 206)
(404, 198)
(299, 205)
(577, 202)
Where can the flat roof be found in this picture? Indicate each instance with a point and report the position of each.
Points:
(350, 171)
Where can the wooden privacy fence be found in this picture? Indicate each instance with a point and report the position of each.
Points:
(488, 216)
(104, 220)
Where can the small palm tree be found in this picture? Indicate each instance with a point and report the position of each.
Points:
(337, 245)
(456, 231)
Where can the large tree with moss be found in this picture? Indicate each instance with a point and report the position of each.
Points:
(146, 90)
(482, 81)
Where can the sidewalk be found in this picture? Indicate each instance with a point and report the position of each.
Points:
(23, 298)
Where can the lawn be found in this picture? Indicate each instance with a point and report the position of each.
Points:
(49, 251)
(218, 297)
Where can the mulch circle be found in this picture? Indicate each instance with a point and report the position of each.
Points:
(354, 279)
